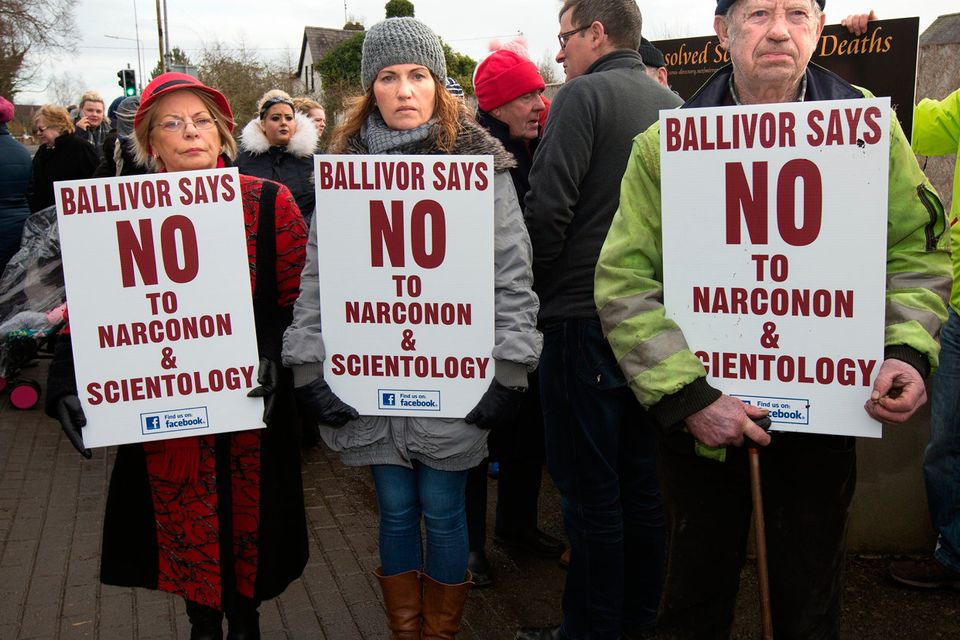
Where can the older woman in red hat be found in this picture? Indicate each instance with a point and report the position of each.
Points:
(218, 520)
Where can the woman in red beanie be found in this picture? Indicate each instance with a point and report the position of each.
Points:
(509, 91)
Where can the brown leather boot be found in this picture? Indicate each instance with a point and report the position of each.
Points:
(402, 595)
(443, 607)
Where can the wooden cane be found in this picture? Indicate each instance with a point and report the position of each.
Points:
(763, 577)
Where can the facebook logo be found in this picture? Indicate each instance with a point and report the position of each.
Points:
(389, 400)
(153, 423)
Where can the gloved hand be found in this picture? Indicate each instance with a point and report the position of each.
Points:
(318, 402)
(268, 377)
(498, 404)
(72, 420)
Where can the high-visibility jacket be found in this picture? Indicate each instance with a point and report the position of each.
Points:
(936, 132)
(666, 376)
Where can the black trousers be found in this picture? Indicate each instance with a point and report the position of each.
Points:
(518, 447)
(808, 484)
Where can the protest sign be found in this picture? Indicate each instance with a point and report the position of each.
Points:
(883, 60)
(160, 305)
(775, 264)
(405, 246)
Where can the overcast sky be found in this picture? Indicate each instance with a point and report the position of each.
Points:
(275, 28)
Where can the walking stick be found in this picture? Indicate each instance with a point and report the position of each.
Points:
(763, 577)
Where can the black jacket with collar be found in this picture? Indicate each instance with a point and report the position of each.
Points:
(522, 151)
(575, 178)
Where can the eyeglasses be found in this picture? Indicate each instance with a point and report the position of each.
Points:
(40, 129)
(564, 38)
(176, 125)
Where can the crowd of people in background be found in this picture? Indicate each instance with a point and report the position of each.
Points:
(591, 378)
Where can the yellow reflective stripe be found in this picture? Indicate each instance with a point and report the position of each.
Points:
(939, 285)
(619, 310)
(898, 313)
(652, 352)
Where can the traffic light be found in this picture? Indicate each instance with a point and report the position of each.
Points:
(128, 80)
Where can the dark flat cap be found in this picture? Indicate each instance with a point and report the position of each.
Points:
(652, 57)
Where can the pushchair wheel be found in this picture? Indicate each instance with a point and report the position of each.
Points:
(24, 394)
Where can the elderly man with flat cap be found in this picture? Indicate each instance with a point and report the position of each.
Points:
(808, 479)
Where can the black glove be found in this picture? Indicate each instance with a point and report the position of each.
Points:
(318, 402)
(498, 404)
(72, 420)
(268, 377)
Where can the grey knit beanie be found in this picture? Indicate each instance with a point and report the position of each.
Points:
(400, 41)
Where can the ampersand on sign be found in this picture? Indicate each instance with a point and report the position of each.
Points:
(770, 339)
(168, 361)
(408, 343)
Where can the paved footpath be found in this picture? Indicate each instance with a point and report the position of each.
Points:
(51, 510)
(51, 514)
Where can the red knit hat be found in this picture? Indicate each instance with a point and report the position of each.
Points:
(503, 76)
(172, 81)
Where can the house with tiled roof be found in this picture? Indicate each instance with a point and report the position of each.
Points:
(317, 42)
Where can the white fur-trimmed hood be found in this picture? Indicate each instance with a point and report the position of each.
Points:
(302, 144)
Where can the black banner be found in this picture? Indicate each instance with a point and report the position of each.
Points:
(883, 60)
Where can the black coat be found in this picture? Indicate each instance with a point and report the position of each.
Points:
(108, 166)
(70, 159)
(292, 171)
(15, 171)
(131, 549)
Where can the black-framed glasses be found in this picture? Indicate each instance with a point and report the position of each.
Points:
(564, 37)
(40, 129)
(176, 125)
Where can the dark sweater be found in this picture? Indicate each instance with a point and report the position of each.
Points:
(575, 178)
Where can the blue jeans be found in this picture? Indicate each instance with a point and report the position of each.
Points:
(941, 464)
(600, 451)
(404, 495)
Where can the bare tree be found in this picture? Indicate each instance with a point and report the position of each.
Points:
(65, 88)
(243, 76)
(548, 70)
(28, 28)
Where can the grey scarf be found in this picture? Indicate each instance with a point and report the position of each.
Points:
(380, 138)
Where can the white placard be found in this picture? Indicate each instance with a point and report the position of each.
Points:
(774, 245)
(406, 281)
(160, 306)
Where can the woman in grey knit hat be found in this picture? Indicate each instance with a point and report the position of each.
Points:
(420, 464)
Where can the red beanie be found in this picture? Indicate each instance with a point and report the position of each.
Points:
(503, 76)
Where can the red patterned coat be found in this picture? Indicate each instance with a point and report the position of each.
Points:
(211, 517)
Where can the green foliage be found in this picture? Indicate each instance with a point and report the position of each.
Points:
(343, 63)
(340, 74)
(399, 9)
(353, 25)
(460, 67)
(178, 56)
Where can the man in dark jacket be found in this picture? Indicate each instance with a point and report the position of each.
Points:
(599, 443)
(509, 92)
